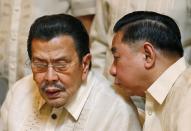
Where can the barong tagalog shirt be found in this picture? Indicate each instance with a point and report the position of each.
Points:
(163, 99)
(95, 107)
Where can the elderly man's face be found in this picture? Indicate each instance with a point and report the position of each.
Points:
(128, 66)
(56, 69)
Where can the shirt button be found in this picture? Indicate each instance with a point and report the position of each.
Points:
(54, 116)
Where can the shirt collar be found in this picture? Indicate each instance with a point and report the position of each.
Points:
(161, 87)
(76, 103)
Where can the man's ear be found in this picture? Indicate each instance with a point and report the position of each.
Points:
(86, 61)
(149, 55)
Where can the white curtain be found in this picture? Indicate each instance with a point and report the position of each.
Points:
(15, 16)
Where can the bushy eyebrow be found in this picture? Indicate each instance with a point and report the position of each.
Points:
(37, 59)
(64, 58)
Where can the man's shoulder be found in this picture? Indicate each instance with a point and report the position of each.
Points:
(177, 106)
(22, 91)
(180, 91)
(25, 83)
(187, 72)
(104, 92)
(26, 79)
(182, 85)
(102, 86)
(184, 79)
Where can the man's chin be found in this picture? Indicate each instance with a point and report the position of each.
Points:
(128, 92)
(55, 103)
(57, 106)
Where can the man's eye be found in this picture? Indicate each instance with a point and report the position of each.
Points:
(60, 65)
(40, 64)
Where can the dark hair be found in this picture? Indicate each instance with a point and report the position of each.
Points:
(160, 30)
(50, 26)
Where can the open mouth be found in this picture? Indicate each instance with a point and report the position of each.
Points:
(52, 93)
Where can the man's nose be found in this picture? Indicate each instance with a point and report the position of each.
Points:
(51, 74)
(113, 70)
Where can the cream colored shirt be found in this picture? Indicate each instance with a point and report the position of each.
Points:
(95, 107)
(156, 97)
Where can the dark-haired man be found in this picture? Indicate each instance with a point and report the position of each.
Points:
(148, 62)
(63, 94)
